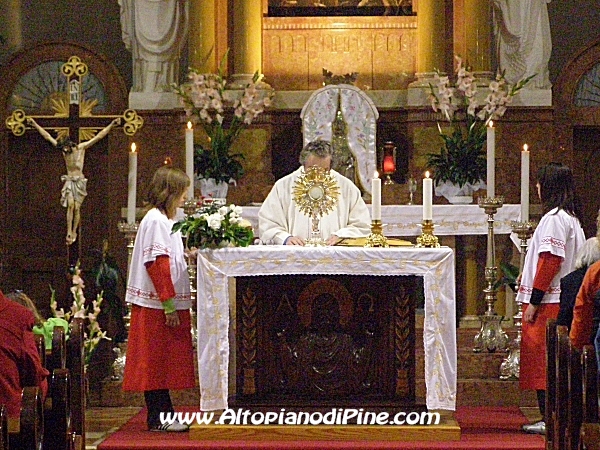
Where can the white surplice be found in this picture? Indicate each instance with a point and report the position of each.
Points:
(279, 216)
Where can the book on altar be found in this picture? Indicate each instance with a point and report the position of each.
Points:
(361, 241)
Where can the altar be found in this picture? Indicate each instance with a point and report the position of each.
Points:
(449, 220)
(217, 334)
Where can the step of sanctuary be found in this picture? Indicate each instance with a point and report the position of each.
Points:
(478, 380)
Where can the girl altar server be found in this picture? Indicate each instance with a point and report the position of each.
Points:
(160, 352)
(550, 256)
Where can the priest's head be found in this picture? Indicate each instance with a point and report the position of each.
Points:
(317, 153)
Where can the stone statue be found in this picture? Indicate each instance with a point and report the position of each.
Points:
(74, 190)
(154, 31)
(523, 41)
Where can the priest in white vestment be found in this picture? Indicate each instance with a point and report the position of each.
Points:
(280, 221)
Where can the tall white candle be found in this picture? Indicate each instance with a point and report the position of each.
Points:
(376, 196)
(132, 185)
(427, 197)
(525, 183)
(491, 160)
(189, 157)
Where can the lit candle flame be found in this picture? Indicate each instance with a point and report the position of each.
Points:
(189, 125)
(491, 124)
(376, 175)
(133, 147)
(525, 148)
(427, 174)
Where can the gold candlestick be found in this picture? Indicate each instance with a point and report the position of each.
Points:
(491, 337)
(427, 238)
(511, 365)
(376, 238)
(129, 230)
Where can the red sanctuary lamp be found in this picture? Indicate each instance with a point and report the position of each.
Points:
(389, 161)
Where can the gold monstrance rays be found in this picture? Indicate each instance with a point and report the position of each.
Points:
(316, 193)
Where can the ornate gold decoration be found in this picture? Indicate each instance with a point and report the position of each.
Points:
(16, 122)
(316, 193)
(427, 238)
(74, 67)
(133, 122)
(330, 78)
(490, 337)
(376, 238)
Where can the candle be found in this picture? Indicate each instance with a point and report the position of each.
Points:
(189, 157)
(491, 160)
(427, 197)
(376, 196)
(132, 185)
(525, 184)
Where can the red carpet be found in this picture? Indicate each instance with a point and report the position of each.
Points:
(482, 428)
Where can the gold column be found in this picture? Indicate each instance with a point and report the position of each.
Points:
(431, 48)
(247, 38)
(208, 34)
(431, 29)
(473, 33)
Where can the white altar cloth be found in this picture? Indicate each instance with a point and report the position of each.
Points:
(449, 220)
(436, 266)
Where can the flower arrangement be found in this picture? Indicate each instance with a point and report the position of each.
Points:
(78, 309)
(215, 226)
(222, 115)
(462, 159)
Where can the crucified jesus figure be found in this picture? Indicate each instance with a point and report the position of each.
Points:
(74, 190)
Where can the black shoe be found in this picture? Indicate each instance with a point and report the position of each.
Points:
(535, 428)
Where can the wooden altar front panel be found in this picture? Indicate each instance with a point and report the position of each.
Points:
(308, 340)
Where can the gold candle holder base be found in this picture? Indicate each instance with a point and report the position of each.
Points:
(427, 238)
(129, 230)
(191, 206)
(376, 238)
(388, 179)
(511, 365)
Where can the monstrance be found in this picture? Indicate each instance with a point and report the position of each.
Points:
(316, 193)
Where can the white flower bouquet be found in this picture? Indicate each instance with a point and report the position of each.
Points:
(215, 226)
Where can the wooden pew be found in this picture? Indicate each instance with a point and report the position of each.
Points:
(574, 405)
(40, 344)
(589, 436)
(3, 428)
(559, 440)
(550, 415)
(28, 432)
(76, 366)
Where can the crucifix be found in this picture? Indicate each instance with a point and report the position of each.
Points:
(73, 116)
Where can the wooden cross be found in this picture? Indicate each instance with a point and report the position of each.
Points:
(73, 115)
(77, 114)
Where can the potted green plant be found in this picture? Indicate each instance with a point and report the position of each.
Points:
(223, 114)
(460, 167)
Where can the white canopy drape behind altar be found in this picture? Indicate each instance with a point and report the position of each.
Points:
(436, 266)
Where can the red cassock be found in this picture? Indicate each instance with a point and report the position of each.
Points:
(19, 359)
(158, 356)
(533, 348)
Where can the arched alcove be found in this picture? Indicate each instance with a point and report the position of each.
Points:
(577, 120)
(33, 253)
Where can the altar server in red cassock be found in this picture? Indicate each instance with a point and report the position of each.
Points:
(550, 256)
(160, 354)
